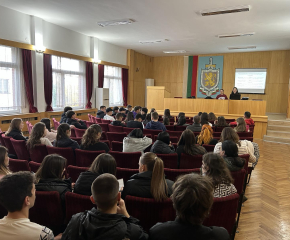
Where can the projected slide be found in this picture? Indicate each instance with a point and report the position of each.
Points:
(251, 80)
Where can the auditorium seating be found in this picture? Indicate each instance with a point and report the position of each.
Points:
(67, 153)
(16, 165)
(104, 127)
(97, 120)
(85, 158)
(169, 160)
(126, 173)
(172, 174)
(1, 138)
(56, 123)
(89, 124)
(106, 121)
(128, 130)
(126, 160)
(115, 128)
(34, 166)
(208, 148)
(77, 139)
(116, 136)
(117, 146)
(180, 128)
(8, 145)
(74, 172)
(20, 149)
(38, 153)
(189, 162)
(73, 132)
(152, 132)
(79, 132)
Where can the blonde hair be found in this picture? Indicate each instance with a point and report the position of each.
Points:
(241, 125)
(205, 135)
(15, 124)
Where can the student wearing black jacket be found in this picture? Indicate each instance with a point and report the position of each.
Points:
(115, 111)
(137, 123)
(63, 115)
(110, 220)
(63, 137)
(235, 94)
(104, 163)
(15, 129)
(102, 112)
(144, 112)
(163, 144)
(91, 139)
(71, 120)
(118, 121)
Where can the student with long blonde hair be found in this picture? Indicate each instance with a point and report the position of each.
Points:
(206, 136)
(241, 125)
(150, 182)
(4, 162)
(15, 129)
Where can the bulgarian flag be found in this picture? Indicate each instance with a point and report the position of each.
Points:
(192, 76)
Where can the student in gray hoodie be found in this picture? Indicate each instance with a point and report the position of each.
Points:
(136, 142)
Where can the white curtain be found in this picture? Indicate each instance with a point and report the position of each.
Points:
(113, 81)
(68, 83)
(12, 93)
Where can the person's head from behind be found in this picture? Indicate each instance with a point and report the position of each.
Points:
(229, 149)
(167, 113)
(129, 108)
(180, 114)
(103, 108)
(136, 133)
(105, 192)
(52, 166)
(4, 161)
(122, 110)
(115, 109)
(164, 137)
(247, 115)
(211, 116)
(192, 198)
(138, 117)
(67, 109)
(150, 162)
(214, 166)
(137, 109)
(17, 191)
(196, 119)
(222, 92)
(241, 125)
(47, 123)
(204, 118)
(109, 111)
(16, 124)
(166, 121)
(92, 135)
(119, 116)
(144, 111)
(153, 110)
(221, 121)
(71, 114)
(206, 134)
(229, 133)
(199, 114)
(181, 120)
(235, 90)
(63, 131)
(187, 140)
(37, 132)
(104, 163)
(130, 116)
(154, 116)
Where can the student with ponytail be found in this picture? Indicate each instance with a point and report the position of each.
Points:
(4, 162)
(150, 182)
(63, 137)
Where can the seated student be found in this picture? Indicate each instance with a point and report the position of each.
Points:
(204, 119)
(63, 137)
(136, 111)
(50, 176)
(241, 125)
(150, 182)
(17, 196)
(222, 96)
(118, 121)
(71, 120)
(163, 144)
(15, 129)
(248, 119)
(148, 119)
(230, 154)
(123, 112)
(104, 163)
(101, 112)
(37, 136)
(115, 111)
(91, 139)
(136, 141)
(199, 113)
(129, 117)
(137, 123)
(192, 199)
(110, 220)
(196, 126)
(144, 112)
(216, 169)
(221, 122)
(129, 109)
(206, 136)
(4, 162)
(181, 121)
(167, 113)
(50, 134)
(212, 117)
(154, 124)
(166, 121)
(108, 115)
(244, 146)
(152, 110)
(63, 115)
(180, 114)
(186, 144)
(235, 94)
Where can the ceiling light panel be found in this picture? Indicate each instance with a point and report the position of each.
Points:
(115, 22)
(236, 35)
(175, 51)
(225, 11)
(240, 48)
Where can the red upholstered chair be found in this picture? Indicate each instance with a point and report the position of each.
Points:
(79, 132)
(245, 134)
(126, 160)
(47, 210)
(117, 146)
(150, 212)
(38, 153)
(217, 134)
(90, 118)
(106, 121)
(74, 171)
(208, 148)
(125, 173)
(152, 132)
(189, 162)
(8, 145)
(55, 123)
(223, 213)
(97, 120)
(172, 174)
(170, 127)
(230, 120)
(89, 124)
(85, 158)
(175, 133)
(34, 166)
(116, 136)
(16, 165)
(67, 153)
(104, 136)
(73, 132)
(1, 138)
(169, 160)
(76, 203)
(172, 120)
(196, 133)
(20, 149)
(128, 130)
(107, 142)
(115, 128)
(180, 128)
(77, 139)
(104, 127)
(246, 157)
(218, 129)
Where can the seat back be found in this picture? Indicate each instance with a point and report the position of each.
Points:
(115, 128)
(38, 153)
(126, 160)
(245, 134)
(179, 128)
(125, 173)
(117, 146)
(55, 123)
(85, 158)
(89, 123)
(20, 149)
(239, 180)
(97, 120)
(74, 172)
(90, 118)
(230, 120)
(8, 144)
(170, 127)
(172, 174)
(152, 132)
(246, 157)
(150, 212)
(16, 165)
(128, 130)
(104, 127)
(217, 134)
(79, 132)
(218, 129)
(175, 133)
(107, 142)
(77, 139)
(169, 160)
(1, 138)
(223, 213)
(208, 148)
(34, 166)
(189, 162)
(67, 153)
(106, 121)
(76, 203)
(116, 136)
(73, 132)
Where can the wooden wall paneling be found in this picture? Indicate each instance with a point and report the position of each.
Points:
(171, 103)
(255, 107)
(130, 63)
(155, 97)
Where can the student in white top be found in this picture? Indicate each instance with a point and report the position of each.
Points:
(17, 196)
(108, 116)
(50, 134)
(37, 136)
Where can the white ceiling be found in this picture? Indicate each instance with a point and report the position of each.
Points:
(169, 19)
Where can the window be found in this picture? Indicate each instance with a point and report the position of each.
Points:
(11, 82)
(113, 81)
(68, 83)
